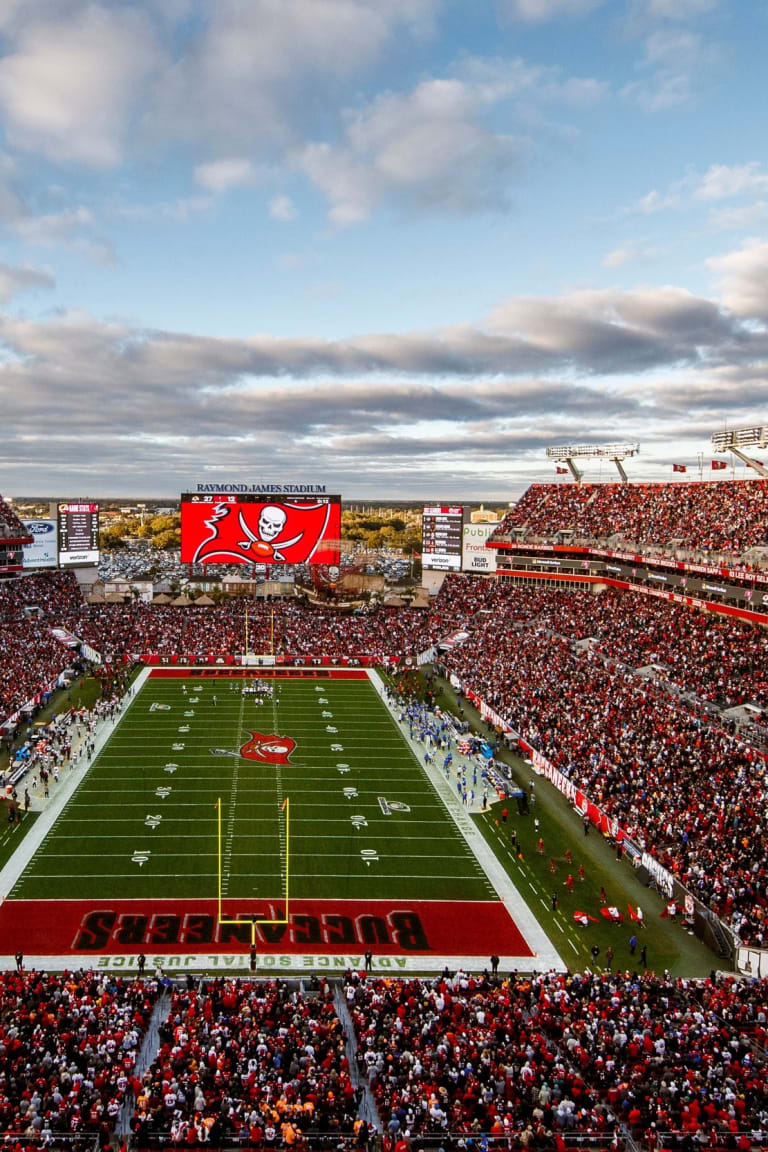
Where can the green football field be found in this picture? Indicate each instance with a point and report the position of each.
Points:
(301, 824)
(363, 821)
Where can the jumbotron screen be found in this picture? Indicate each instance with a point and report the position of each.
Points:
(78, 530)
(255, 528)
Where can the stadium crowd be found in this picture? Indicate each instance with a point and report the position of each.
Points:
(526, 1061)
(29, 610)
(11, 527)
(68, 1045)
(715, 517)
(31, 607)
(720, 660)
(551, 1054)
(682, 786)
(257, 1063)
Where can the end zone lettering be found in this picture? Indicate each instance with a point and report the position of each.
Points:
(106, 929)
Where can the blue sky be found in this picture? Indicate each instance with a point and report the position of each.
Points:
(396, 248)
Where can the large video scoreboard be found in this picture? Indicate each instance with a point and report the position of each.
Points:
(441, 537)
(78, 532)
(257, 528)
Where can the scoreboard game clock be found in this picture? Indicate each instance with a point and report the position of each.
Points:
(442, 529)
(78, 531)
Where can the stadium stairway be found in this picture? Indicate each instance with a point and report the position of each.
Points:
(366, 1105)
(146, 1054)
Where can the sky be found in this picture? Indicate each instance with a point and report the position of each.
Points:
(394, 248)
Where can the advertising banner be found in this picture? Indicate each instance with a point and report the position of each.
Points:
(475, 557)
(42, 552)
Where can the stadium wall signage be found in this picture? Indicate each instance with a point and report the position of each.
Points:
(285, 489)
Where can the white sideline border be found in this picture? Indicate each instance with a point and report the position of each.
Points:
(70, 780)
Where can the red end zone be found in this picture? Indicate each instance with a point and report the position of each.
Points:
(315, 927)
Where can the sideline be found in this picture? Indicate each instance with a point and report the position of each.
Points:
(69, 781)
(546, 956)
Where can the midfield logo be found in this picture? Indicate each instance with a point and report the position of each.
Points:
(272, 749)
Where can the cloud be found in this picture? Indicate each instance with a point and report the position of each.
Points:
(605, 332)
(629, 254)
(179, 210)
(222, 175)
(674, 61)
(438, 147)
(744, 218)
(594, 333)
(133, 403)
(722, 182)
(719, 182)
(70, 82)
(54, 227)
(537, 11)
(72, 228)
(22, 278)
(653, 202)
(256, 79)
(91, 82)
(282, 208)
(12, 204)
(744, 279)
(428, 149)
(679, 10)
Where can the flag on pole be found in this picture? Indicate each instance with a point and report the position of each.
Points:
(561, 471)
(718, 464)
(679, 468)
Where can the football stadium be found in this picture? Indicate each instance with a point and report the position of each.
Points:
(383, 576)
(277, 870)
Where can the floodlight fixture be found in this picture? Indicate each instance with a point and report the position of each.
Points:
(735, 440)
(615, 452)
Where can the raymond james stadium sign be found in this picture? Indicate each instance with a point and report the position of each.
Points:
(287, 489)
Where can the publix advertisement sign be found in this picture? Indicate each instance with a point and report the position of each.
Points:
(475, 557)
(41, 553)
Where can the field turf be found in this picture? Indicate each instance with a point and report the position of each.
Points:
(145, 821)
(210, 808)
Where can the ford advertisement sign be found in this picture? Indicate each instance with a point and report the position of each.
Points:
(42, 552)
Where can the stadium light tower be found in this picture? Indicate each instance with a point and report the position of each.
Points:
(740, 438)
(615, 452)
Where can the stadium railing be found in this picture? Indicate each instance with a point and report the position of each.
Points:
(429, 1142)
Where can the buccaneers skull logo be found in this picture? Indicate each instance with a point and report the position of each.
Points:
(264, 749)
(263, 534)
